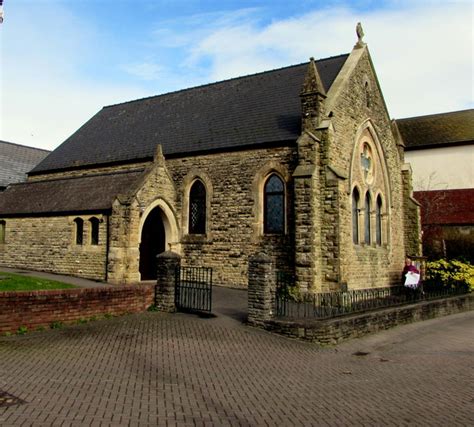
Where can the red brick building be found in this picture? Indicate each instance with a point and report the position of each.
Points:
(448, 223)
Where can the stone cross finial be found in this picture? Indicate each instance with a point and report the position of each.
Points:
(360, 34)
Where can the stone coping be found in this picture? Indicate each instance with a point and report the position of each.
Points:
(336, 330)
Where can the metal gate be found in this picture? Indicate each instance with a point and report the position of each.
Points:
(193, 290)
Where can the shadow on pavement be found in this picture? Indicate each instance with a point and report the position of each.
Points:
(229, 302)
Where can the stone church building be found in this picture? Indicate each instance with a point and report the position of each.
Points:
(302, 163)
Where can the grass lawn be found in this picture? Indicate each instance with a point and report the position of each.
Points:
(16, 282)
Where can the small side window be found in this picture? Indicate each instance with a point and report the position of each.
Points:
(197, 208)
(79, 231)
(367, 95)
(378, 221)
(94, 222)
(368, 203)
(2, 232)
(355, 216)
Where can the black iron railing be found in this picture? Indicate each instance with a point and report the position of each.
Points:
(291, 303)
(193, 291)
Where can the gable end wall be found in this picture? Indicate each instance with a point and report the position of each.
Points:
(362, 265)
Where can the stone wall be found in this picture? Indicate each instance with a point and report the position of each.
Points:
(411, 210)
(234, 186)
(235, 213)
(318, 175)
(42, 308)
(49, 244)
(357, 106)
(334, 331)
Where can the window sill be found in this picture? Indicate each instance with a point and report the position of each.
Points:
(196, 238)
(364, 246)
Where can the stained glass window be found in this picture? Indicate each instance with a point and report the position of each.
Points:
(367, 163)
(197, 208)
(274, 217)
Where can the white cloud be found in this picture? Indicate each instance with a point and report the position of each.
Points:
(44, 97)
(422, 52)
(53, 77)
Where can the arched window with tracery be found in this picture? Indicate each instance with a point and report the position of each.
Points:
(355, 216)
(94, 222)
(378, 221)
(369, 174)
(79, 231)
(274, 205)
(367, 206)
(197, 208)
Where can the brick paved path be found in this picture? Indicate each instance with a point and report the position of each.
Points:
(160, 369)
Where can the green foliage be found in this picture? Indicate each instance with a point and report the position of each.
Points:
(291, 293)
(56, 325)
(153, 307)
(22, 330)
(17, 282)
(449, 274)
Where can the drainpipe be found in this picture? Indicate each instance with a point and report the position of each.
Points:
(107, 246)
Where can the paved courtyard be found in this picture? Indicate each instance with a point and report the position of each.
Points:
(156, 369)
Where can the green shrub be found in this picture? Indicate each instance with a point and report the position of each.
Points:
(452, 274)
(22, 330)
(56, 325)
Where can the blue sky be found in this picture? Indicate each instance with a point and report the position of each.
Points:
(63, 60)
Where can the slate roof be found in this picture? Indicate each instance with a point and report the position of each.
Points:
(242, 112)
(16, 160)
(446, 207)
(437, 130)
(67, 195)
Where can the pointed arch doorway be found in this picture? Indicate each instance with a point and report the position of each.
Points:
(153, 242)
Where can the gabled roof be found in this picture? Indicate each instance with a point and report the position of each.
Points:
(437, 130)
(16, 160)
(238, 113)
(446, 207)
(68, 195)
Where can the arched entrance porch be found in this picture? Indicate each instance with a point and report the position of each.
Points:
(153, 242)
(158, 233)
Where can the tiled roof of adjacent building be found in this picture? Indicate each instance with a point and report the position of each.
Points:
(437, 130)
(446, 207)
(243, 112)
(16, 160)
(68, 195)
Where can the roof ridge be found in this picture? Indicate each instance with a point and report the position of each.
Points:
(436, 114)
(92, 175)
(24, 146)
(446, 190)
(223, 81)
